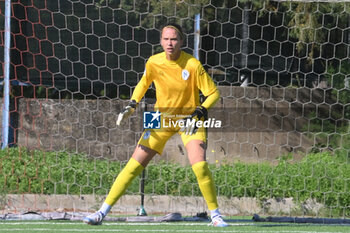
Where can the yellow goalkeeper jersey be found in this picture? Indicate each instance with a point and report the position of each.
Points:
(177, 83)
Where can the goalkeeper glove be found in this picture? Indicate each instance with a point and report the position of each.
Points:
(126, 112)
(190, 124)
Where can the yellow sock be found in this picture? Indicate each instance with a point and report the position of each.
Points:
(132, 169)
(206, 184)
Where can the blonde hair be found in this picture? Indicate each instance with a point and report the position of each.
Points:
(176, 27)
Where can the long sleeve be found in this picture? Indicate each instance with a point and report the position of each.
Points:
(140, 89)
(142, 85)
(211, 99)
(207, 87)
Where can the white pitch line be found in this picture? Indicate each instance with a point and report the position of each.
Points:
(125, 223)
(95, 229)
(143, 230)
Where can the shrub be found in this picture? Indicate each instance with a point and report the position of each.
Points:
(320, 176)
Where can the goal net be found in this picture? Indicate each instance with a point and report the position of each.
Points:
(282, 68)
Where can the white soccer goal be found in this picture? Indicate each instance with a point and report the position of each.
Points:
(283, 71)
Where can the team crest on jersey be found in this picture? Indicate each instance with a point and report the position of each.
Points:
(147, 135)
(185, 74)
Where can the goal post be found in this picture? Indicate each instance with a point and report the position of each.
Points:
(282, 68)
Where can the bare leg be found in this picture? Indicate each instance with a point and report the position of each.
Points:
(143, 155)
(196, 151)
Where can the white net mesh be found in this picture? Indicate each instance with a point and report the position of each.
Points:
(282, 68)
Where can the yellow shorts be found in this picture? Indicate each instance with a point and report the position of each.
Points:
(156, 139)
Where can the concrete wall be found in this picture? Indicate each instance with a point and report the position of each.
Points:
(258, 124)
(128, 204)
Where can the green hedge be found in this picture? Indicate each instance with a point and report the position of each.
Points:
(320, 176)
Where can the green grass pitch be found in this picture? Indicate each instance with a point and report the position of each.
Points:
(163, 227)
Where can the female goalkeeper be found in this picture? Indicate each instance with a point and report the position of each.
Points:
(178, 77)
